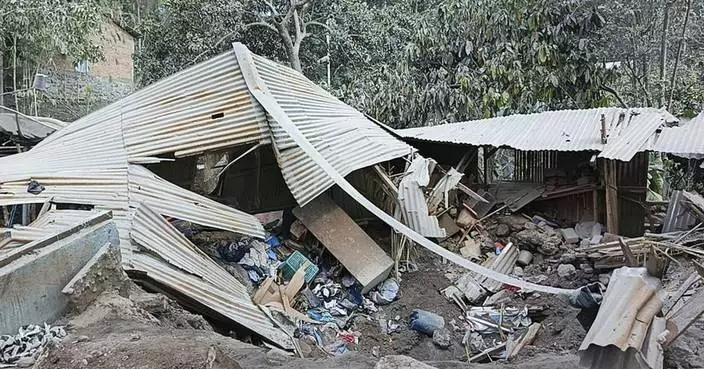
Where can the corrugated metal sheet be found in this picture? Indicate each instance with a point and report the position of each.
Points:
(412, 199)
(95, 161)
(30, 129)
(503, 264)
(175, 262)
(686, 140)
(618, 336)
(563, 130)
(677, 217)
(346, 138)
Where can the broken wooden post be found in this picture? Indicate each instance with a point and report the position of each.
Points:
(611, 196)
(627, 253)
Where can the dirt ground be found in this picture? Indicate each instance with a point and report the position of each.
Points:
(144, 330)
(120, 333)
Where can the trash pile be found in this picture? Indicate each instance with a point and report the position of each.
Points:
(291, 273)
(29, 341)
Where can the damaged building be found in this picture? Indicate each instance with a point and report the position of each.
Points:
(575, 165)
(237, 135)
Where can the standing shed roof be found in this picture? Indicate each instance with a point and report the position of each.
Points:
(562, 130)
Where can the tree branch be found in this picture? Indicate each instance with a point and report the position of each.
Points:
(271, 6)
(616, 95)
(638, 79)
(263, 24)
(679, 54)
(314, 23)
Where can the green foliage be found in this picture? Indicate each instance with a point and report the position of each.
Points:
(41, 29)
(633, 36)
(474, 59)
(180, 33)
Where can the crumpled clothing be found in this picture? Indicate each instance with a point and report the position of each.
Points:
(386, 292)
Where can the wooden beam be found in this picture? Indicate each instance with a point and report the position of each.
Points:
(627, 253)
(671, 300)
(611, 196)
(686, 316)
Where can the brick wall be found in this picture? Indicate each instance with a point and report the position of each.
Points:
(71, 95)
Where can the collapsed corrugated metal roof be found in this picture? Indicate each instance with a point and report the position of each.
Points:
(29, 128)
(622, 330)
(411, 196)
(685, 140)
(627, 130)
(97, 161)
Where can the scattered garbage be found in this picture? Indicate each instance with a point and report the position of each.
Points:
(386, 292)
(28, 342)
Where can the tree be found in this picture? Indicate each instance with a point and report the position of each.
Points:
(473, 59)
(180, 33)
(640, 35)
(32, 32)
(290, 20)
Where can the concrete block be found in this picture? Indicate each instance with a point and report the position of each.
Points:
(465, 218)
(569, 235)
(471, 289)
(32, 281)
(103, 272)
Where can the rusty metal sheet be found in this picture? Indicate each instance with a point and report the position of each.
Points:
(621, 327)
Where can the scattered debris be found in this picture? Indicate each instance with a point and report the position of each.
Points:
(29, 341)
(426, 321)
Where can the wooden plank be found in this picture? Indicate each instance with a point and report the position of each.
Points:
(527, 339)
(346, 241)
(671, 300)
(611, 196)
(627, 254)
(686, 316)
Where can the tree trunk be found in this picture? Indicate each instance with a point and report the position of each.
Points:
(2, 80)
(663, 52)
(680, 45)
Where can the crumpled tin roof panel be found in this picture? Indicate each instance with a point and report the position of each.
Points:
(96, 161)
(347, 139)
(562, 130)
(631, 302)
(686, 140)
(31, 128)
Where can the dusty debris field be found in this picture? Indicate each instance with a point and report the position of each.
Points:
(148, 330)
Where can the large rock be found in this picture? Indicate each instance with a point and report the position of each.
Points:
(442, 338)
(543, 239)
(566, 270)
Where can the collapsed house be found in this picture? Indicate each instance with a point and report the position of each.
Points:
(98, 162)
(579, 165)
(119, 169)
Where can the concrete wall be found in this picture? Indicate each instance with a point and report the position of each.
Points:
(30, 286)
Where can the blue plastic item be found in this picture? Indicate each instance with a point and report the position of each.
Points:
(426, 322)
